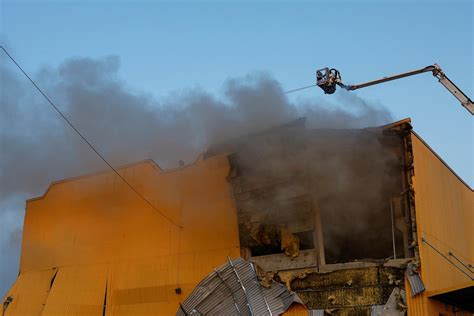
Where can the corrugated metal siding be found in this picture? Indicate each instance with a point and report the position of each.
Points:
(84, 222)
(98, 219)
(148, 287)
(416, 284)
(221, 285)
(421, 305)
(296, 309)
(77, 290)
(29, 293)
(234, 289)
(445, 217)
(416, 304)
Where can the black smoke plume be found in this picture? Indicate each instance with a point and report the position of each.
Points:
(37, 147)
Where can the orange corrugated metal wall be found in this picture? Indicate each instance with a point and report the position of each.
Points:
(296, 310)
(422, 305)
(89, 223)
(102, 238)
(79, 288)
(445, 218)
(29, 293)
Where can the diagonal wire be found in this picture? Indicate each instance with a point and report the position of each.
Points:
(442, 255)
(294, 90)
(85, 140)
(459, 260)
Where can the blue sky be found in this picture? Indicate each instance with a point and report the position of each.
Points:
(171, 46)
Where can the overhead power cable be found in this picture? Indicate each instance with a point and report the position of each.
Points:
(85, 140)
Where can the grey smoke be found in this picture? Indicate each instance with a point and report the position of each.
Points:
(281, 176)
(36, 146)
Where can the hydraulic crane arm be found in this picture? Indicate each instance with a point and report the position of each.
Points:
(394, 77)
(327, 79)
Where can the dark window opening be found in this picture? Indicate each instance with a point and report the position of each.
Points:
(332, 190)
(306, 240)
(273, 226)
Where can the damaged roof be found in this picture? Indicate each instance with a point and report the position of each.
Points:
(234, 289)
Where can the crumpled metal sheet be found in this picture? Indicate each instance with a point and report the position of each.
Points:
(377, 310)
(395, 305)
(416, 284)
(234, 289)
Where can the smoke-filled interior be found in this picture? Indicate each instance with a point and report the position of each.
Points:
(337, 191)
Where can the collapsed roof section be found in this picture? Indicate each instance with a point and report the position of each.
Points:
(234, 289)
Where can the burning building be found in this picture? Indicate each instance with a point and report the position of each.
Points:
(289, 221)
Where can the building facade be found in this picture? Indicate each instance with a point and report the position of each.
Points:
(352, 222)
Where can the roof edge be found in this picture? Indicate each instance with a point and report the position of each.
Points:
(124, 166)
(100, 172)
(441, 160)
(397, 123)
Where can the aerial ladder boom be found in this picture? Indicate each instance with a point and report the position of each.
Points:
(327, 79)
